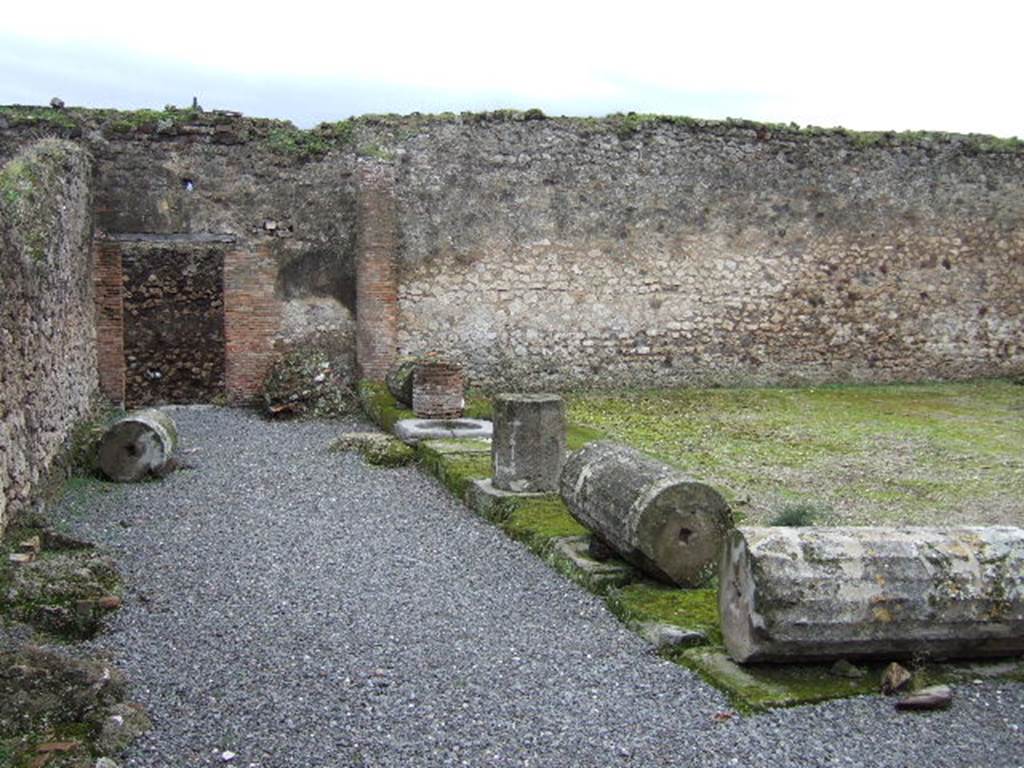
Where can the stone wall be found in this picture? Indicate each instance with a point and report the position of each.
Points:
(48, 342)
(565, 252)
(555, 253)
(281, 201)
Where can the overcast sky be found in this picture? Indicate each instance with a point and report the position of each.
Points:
(865, 65)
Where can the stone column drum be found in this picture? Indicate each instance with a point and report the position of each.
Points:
(137, 445)
(437, 389)
(818, 594)
(528, 444)
(666, 523)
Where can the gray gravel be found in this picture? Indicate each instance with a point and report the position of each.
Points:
(299, 608)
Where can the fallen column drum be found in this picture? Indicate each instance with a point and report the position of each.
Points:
(817, 594)
(137, 445)
(653, 515)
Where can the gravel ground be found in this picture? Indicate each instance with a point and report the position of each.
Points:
(298, 608)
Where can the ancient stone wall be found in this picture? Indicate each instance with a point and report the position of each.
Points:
(550, 253)
(574, 252)
(281, 201)
(48, 342)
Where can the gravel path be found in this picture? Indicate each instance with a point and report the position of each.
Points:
(299, 608)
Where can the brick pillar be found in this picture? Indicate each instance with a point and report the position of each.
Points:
(108, 281)
(252, 318)
(376, 273)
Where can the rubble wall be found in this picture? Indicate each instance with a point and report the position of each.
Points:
(555, 253)
(47, 310)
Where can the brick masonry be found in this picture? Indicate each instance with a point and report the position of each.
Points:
(438, 389)
(252, 318)
(547, 253)
(376, 277)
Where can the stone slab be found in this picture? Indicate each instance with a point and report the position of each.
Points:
(413, 431)
(460, 446)
(668, 635)
(494, 503)
(569, 555)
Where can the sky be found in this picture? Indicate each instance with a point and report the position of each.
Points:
(864, 65)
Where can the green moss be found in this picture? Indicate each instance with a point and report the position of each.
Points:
(455, 471)
(290, 141)
(756, 687)
(81, 450)
(647, 601)
(285, 139)
(753, 688)
(376, 449)
(537, 521)
(19, 751)
(380, 406)
(151, 119)
(25, 190)
(46, 117)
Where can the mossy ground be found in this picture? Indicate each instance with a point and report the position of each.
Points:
(377, 449)
(647, 601)
(538, 521)
(908, 454)
(756, 687)
(455, 470)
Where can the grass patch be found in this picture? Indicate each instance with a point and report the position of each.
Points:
(578, 435)
(796, 515)
(860, 455)
(478, 406)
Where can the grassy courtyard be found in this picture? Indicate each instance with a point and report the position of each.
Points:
(939, 454)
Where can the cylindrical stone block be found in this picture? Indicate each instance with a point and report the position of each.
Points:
(137, 445)
(528, 444)
(653, 515)
(818, 594)
(437, 389)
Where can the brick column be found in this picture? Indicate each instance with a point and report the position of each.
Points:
(252, 318)
(376, 274)
(108, 281)
(437, 389)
